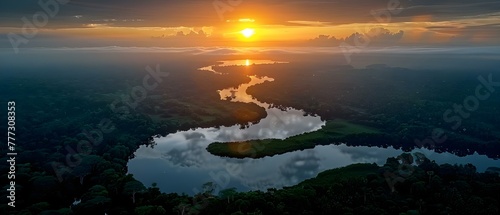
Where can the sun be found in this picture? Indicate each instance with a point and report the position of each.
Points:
(248, 32)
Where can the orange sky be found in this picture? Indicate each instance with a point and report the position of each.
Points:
(275, 22)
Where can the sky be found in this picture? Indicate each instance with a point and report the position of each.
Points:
(274, 23)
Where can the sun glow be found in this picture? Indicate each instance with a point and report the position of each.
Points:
(248, 32)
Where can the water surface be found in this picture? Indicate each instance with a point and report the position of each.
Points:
(246, 62)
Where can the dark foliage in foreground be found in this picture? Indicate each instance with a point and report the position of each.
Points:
(398, 187)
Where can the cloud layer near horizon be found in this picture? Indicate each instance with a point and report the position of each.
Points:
(422, 21)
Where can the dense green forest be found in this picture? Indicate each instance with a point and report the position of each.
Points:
(57, 111)
(407, 106)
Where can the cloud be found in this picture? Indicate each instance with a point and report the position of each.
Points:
(451, 9)
(245, 52)
(125, 13)
(310, 23)
(201, 12)
(181, 35)
(374, 37)
(193, 38)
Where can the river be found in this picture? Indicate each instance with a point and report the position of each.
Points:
(179, 162)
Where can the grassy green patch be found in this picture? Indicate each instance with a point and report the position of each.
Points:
(333, 131)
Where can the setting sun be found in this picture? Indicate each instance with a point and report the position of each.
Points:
(248, 32)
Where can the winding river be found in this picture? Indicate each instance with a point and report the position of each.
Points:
(179, 162)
